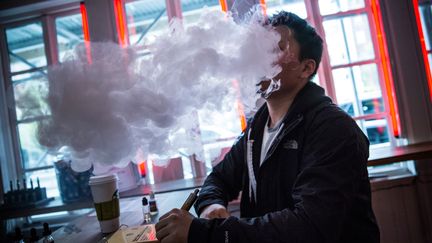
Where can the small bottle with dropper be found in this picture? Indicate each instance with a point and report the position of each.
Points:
(152, 202)
(47, 237)
(146, 211)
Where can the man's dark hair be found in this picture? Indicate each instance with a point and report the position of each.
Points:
(311, 44)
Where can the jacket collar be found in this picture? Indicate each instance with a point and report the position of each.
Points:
(310, 96)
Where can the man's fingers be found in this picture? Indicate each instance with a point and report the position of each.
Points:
(162, 233)
(161, 224)
(173, 211)
(165, 221)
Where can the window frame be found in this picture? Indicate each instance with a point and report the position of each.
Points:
(325, 69)
(49, 34)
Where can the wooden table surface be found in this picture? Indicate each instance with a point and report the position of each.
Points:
(86, 229)
(388, 155)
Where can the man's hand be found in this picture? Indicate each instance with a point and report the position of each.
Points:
(173, 227)
(214, 211)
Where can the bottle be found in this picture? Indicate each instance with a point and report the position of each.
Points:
(47, 237)
(146, 211)
(33, 236)
(18, 236)
(152, 202)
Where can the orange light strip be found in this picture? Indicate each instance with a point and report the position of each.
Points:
(264, 7)
(388, 77)
(142, 168)
(423, 46)
(240, 108)
(120, 22)
(86, 31)
(224, 6)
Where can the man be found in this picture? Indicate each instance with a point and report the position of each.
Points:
(301, 165)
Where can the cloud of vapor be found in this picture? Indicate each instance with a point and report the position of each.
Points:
(122, 107)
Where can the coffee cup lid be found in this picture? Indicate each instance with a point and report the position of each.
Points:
(100, 179)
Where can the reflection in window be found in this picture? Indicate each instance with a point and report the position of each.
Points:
(295, 6)
(358, 90)
(349, 39)
(426, 20)
(32, 153)
(69, 34)
(30, 90)
(26, 47)
(376, 130)
(335, 6)
(145, 20)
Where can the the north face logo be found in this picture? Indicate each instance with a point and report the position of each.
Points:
(290, 144)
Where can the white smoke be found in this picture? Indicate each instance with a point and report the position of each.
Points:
(122, 108)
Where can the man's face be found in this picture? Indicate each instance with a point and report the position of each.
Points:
(294, 71)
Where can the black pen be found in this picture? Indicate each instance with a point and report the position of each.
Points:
(190, 200)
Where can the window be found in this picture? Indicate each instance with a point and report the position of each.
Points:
(296, 6)
(69, 34)
(145, 20)
(352, 62)
(426, 20)
(191, 10)
(28, 60)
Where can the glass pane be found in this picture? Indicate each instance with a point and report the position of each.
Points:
(349, 39)
(358, 90)
(368, 88)
(426, 20)
(376, 130)
(335, 6)
(430, 61)
(30, 91)
(33, 154)
(296, 6)
(192, 9)
(26, 47)
(47, 179)
(69, 34)
(345, 95)
(145, 20)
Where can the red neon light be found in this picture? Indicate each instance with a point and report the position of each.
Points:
(86, 31)
(388, 78)
(223, 5)
(423, 47)
(85, 22)
(120, 22)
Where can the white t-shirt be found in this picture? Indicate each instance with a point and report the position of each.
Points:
(269, 136)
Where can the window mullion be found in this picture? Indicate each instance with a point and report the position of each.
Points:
(8, 148)
(173, 8)
(324, 72)
(50, 39)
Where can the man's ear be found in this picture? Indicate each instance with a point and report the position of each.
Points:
(308, 68)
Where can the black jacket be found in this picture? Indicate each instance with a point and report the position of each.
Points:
(312, 187)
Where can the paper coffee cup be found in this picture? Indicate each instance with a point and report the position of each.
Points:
(104, 189)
